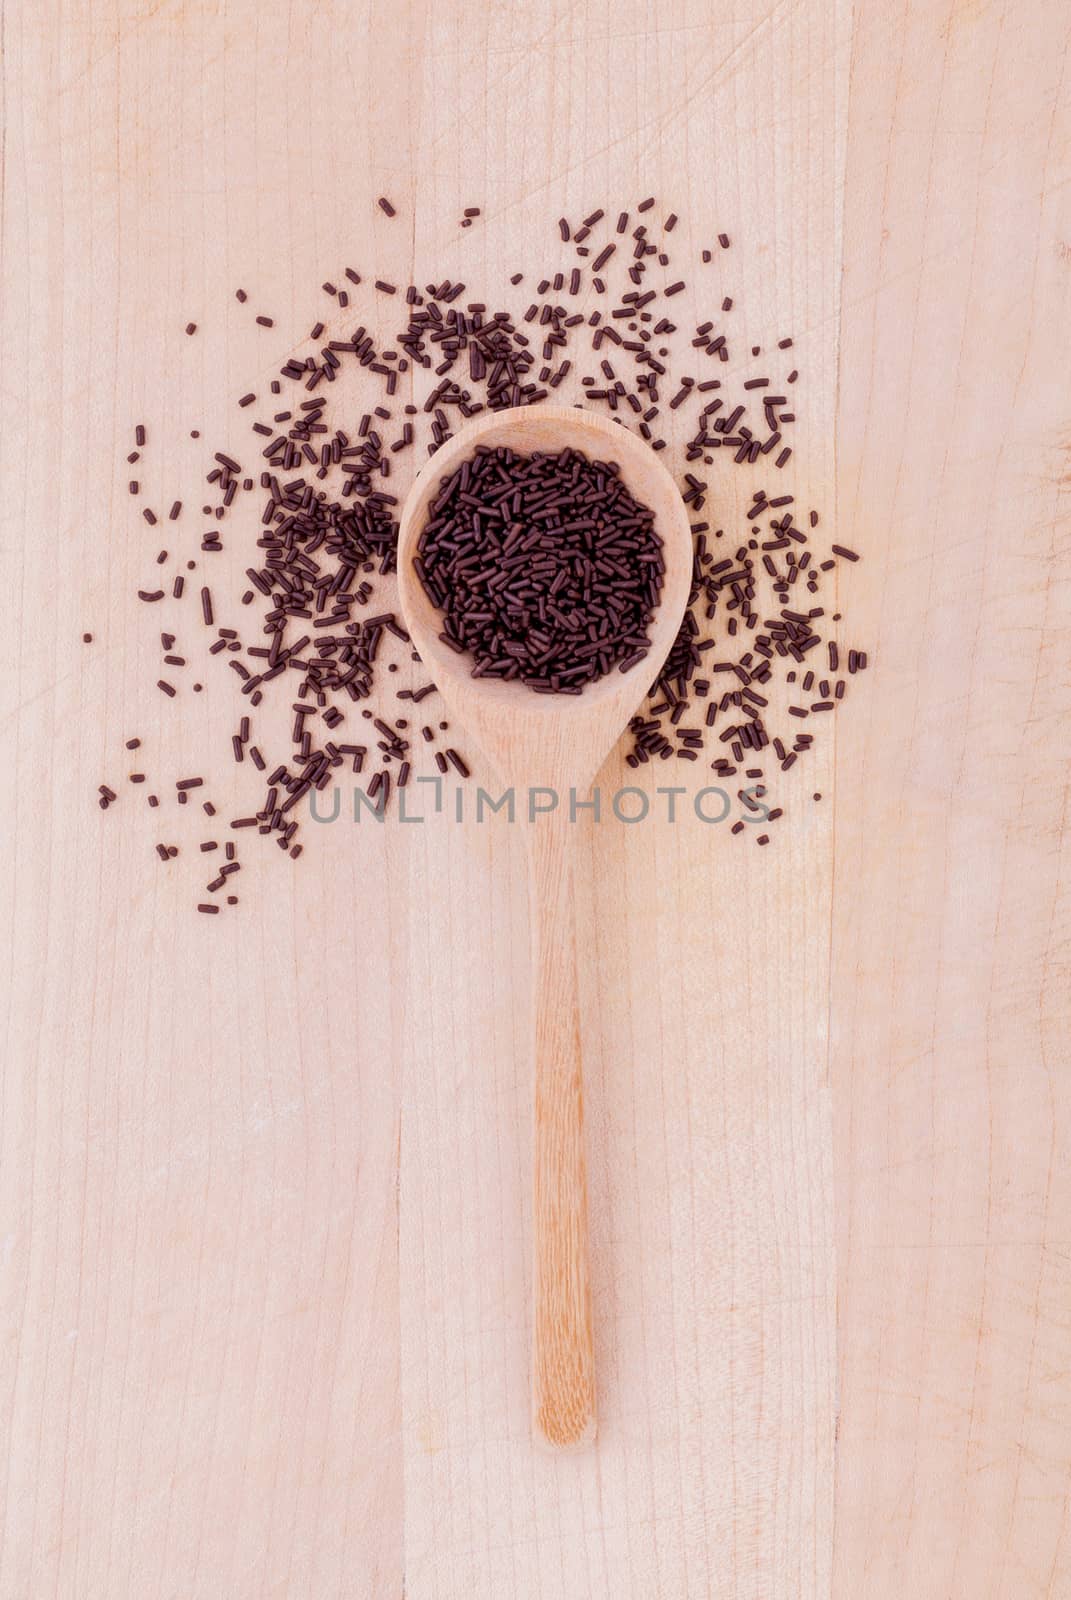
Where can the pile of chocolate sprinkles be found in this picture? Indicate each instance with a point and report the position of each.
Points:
(545, 567)
(319, 590)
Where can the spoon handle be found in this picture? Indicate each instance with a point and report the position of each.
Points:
(563, 1367)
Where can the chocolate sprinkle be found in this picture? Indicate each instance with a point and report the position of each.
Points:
(544, 567)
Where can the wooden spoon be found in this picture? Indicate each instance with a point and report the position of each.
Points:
(556, 743)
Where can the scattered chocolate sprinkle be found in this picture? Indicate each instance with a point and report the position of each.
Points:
(327, 530)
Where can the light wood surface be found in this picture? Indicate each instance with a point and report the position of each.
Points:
(264, 1178)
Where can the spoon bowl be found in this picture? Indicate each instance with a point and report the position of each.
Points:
(557, 740)
(555, 743)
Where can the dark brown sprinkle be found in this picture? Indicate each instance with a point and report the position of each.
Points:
(191, 327)
(209, 910)
(645, 205)
(87, 638)
(266, 322)
(386, 207)
(166, 687)
(568, 575)
(247, 399)
(150, 517)
(240, 295)
(139, 435)
(840, 550)
(386, 288)
(320, 549)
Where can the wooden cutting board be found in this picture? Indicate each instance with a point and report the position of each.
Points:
(264, 1179)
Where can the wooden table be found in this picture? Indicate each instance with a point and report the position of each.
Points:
(264, 1178)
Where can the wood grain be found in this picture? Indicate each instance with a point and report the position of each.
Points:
(950, 992)
(706, 1098)
(264, 1180)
